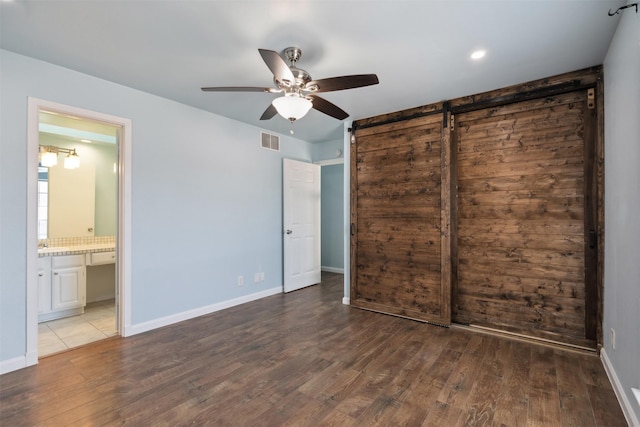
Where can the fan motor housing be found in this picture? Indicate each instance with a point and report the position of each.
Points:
(302, 78)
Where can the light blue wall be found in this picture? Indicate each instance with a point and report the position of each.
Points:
(327, 150)
(207, 200)
(622, 204)
(332, 205)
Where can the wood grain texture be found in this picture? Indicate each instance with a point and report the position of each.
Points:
(305, 359)
(527, 184)
(402, 219)
(523, 218)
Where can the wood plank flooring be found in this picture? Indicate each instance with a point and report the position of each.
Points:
(305, 359)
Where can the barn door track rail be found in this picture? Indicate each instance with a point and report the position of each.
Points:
(621, 9)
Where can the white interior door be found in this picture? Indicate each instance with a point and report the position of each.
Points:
(301, 190)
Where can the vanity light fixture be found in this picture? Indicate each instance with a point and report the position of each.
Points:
(72, 161)
(292, 106)
(49, 156)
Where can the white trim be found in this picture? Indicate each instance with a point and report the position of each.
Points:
(333, 269)
(346, 300)
(625, 404)
(14, 364)
(124, 216)
(339, 161)
(124, 229)
(201, 311)
(33, 107)
(346, 217)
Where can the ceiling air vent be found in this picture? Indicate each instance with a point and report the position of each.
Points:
(270, 142)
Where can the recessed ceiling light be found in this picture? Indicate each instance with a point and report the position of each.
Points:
(88, 141)
(478, 54)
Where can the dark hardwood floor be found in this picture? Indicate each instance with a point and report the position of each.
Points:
(306, 359)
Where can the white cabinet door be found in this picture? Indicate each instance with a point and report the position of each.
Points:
(68, 288)
(44, 285)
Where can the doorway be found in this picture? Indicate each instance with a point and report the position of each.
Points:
(78, 280)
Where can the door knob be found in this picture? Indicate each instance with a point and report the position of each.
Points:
(289, 231)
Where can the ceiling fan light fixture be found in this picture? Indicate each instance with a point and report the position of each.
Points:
(292, 107)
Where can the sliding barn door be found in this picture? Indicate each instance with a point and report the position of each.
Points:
(525, 249)
(398, 217)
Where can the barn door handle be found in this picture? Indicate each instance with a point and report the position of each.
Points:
(592, 239)
(353, 229)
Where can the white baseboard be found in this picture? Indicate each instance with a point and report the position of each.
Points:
(627, 409)
(13, 364)
(333, 270)
(190, 314)
(346, 300)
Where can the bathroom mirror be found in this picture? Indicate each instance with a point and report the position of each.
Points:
(78, 202)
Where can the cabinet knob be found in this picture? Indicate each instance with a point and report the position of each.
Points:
(40, 274)
(55, 274)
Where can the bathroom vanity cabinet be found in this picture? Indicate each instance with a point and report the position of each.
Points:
(62, 286)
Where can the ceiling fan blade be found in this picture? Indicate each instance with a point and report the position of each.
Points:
(328, 108)
(343, 82)
(269, 112)
(240, 89)
(278, 67)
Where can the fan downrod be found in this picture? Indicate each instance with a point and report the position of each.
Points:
(293, 54)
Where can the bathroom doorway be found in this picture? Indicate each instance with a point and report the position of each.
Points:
(77, 234)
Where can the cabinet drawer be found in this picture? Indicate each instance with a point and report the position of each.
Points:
(100, 258)
(67, 261)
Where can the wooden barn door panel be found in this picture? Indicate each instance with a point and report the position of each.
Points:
(397, 215)
(521, 242)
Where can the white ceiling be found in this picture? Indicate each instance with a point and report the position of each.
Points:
(419, 49)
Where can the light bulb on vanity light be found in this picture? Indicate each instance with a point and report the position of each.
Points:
(72, 161)
(48, 158)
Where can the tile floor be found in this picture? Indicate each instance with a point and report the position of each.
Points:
(97, 323)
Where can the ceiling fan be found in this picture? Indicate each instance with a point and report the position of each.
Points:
(298, 88)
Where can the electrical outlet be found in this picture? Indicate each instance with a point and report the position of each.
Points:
(240, 280)
(256, 277)
(613, 338)
(262, 276)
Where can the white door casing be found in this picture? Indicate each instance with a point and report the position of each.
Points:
(123, 265)
(301, 224)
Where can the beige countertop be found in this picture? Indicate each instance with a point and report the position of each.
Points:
(76, 249)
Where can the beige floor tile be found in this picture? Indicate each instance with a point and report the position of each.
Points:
(97, 313)
(48, 341)
(97, 323)
(106, 325)
(81, 335)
